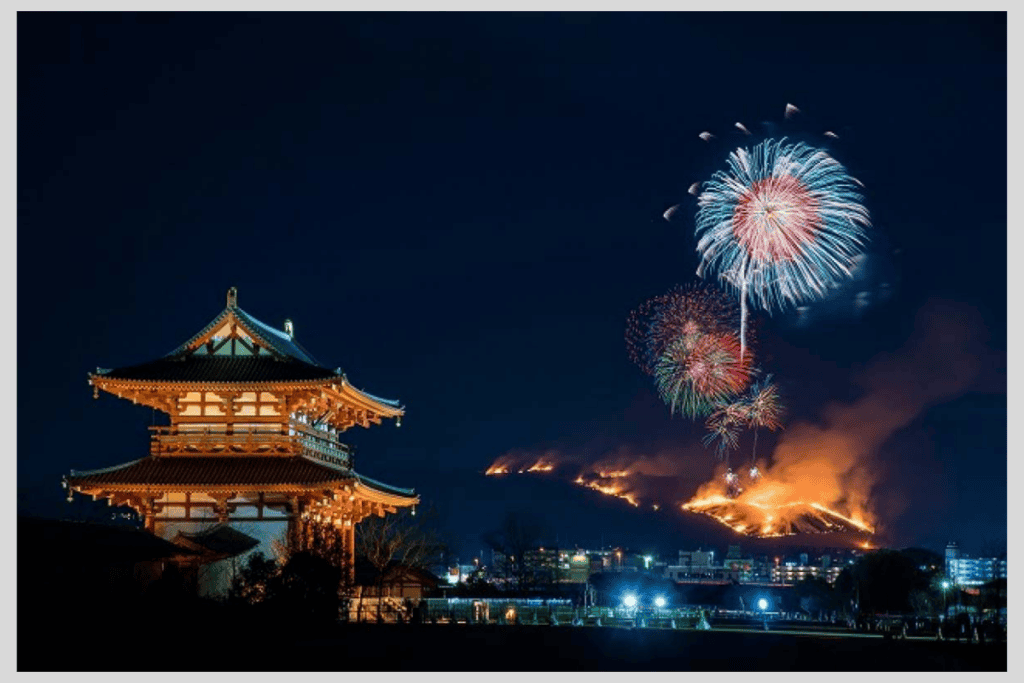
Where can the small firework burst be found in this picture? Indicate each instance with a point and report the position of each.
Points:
(723, 430)
(762, 405)
(683, 313)
(693, 375)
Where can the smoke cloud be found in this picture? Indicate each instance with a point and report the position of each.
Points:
(833, 462)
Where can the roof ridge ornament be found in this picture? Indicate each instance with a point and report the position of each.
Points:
(233, 297)
(289, 328)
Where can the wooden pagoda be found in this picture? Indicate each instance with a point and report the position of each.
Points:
(253, 436)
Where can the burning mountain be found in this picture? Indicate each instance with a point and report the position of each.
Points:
(820, 477)
(771, 521)
(829, 465)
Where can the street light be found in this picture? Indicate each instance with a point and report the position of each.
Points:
(762, 604)
(659, 601)
(629, 600)
(945, 587)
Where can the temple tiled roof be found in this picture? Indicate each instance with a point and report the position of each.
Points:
(280, 340)
(283, 343)
(194, 368)
(240, 470)
(267, 354)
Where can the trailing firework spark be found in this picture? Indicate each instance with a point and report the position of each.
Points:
(694, 374)
(681, 313)
(780, 226)
(760, 407)
(725, 430)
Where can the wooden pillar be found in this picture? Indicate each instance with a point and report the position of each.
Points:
(349, 535)
(148, 512)
(295, 530)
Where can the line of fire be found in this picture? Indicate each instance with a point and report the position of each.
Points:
(253, 437)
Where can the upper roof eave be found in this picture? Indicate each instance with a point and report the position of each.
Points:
(284, 471)
(280, 343)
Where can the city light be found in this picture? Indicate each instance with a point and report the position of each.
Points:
(762, 604)
(629, 600)
(659, 601)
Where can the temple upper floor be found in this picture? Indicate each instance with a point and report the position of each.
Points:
(240, 370)
(290, 437)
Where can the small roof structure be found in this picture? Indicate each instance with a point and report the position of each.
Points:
(366, 574)
(219, 542)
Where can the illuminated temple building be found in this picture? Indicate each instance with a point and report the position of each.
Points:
(253, 437)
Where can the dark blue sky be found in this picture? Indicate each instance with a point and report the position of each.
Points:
(460, 210)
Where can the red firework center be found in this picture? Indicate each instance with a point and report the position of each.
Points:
(714, 365)
(774, 217)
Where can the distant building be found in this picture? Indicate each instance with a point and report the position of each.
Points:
(969, 571)
(793, 573)
(696, 559)
(553, 565)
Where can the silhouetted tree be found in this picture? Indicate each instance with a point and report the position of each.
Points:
(306, 588)
(923, 603)
(993, 595)
(249, 585)
(883, 581)
(814, 595)
(517, 534)
(395, 543)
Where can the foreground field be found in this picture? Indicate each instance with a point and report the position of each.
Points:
(460, 647)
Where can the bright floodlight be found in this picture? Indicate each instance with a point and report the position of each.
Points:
(763, 604)
(629, 601)
(659, 601)
(945, 584)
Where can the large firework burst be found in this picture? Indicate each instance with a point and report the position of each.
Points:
(683, 313)
(781, 226)
(693, 375)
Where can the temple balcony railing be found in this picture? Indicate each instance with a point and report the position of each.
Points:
(291, 438)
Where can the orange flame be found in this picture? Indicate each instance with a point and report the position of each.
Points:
(766, 508)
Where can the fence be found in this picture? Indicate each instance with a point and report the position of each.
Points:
(513, 612)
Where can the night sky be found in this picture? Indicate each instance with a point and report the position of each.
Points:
(460, 211)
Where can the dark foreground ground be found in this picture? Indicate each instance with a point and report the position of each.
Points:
(144, 643)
